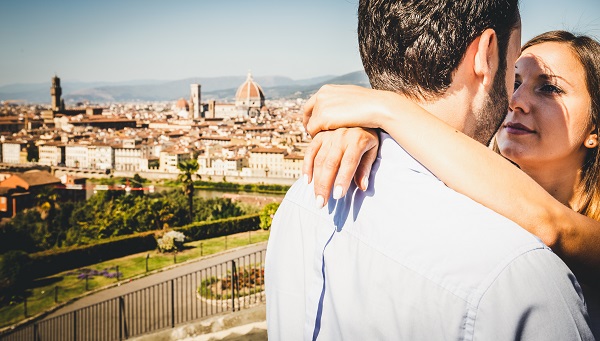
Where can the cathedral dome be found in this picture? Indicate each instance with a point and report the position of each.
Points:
(182, 104)
(250, 94)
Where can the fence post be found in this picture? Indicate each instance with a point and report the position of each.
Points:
(121, 322)
(175, 257)
(172, 303)
(25, 306)
(201, 253)
(233, 283)
(86, 282)
(75, 325)
(56, 294)
(147, 257)
(117, 273)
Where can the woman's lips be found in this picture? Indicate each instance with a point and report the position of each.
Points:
(517, 129)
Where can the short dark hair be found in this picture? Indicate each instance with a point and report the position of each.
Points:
(414, 46)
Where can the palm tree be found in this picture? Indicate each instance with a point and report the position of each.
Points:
(188, 169)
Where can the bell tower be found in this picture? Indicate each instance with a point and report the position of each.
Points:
(195, 101)
(55, 93)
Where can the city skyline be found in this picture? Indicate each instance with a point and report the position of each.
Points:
(112, 41)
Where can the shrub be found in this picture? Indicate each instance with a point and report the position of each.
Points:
(54, 261)
(14, 273)
(171, 241)
(221, 227)
(267, 214)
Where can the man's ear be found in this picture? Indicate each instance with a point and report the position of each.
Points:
(486, 56)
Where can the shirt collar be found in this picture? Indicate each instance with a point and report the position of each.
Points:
(391, 150)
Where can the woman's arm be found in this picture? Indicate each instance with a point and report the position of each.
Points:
(463, 164)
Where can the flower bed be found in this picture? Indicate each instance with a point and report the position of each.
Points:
(248, 281)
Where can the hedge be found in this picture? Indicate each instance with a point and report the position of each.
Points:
(51, 262)
(221, 227)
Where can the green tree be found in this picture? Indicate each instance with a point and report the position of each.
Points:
(33, 154)
(188, 168)
(14, 274)
(46, 202)
(266, 215)
(137, 182)
(16, 235)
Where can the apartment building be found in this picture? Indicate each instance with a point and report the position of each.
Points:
(267, 162)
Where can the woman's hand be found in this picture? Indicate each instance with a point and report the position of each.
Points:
(335, 157)
(345, 106)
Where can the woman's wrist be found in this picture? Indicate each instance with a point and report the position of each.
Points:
(387, 112)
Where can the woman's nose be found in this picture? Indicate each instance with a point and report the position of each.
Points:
(520, 100)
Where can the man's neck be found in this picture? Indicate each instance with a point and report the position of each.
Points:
(454, 109)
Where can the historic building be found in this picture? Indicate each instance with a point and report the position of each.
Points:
(170, 158)
(267, 162)
(52, 154)
(195, 104)
(58, 106)
(14, 152)
(249, 98)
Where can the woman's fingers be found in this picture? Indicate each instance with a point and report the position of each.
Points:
(307, 111)
(309, 157)
(359, 155)
(335, 162)
(361, 177)
(326, 165)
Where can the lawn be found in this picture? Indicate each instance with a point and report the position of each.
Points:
(50, 291)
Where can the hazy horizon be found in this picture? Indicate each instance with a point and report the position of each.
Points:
(112, 41)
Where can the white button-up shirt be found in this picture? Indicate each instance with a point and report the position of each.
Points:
(411, 259)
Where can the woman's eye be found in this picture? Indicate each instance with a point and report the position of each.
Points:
(551, 89)
(517, 85)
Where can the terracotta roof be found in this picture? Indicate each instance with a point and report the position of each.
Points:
(269, 150)
(259, 128)
(294, 156)
(36, 178)
(249, 90)
(30, 179)
(182, 104)
(216, 138)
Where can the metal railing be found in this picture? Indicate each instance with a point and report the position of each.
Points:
(229, 286)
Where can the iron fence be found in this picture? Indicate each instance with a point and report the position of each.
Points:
(229, 286)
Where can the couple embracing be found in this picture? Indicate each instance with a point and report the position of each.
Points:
(440, 236)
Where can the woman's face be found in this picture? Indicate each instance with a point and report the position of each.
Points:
(549, 116)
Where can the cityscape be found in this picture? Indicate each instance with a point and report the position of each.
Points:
(103, 234)
(69, 149)
(249, 140)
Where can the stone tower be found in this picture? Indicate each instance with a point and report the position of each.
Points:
(55, 93)
(195, 101)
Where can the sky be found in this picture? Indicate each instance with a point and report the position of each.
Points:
(125, 40)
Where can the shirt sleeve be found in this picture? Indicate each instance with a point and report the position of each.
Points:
(536, 297)
(284, 288)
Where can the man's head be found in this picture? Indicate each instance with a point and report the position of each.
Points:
(414, 47)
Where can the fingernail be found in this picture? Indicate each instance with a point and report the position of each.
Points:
(305, 176)
(320, 202)
(365, 182)
(337, 192)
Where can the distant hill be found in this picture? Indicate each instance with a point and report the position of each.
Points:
(219, 88)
